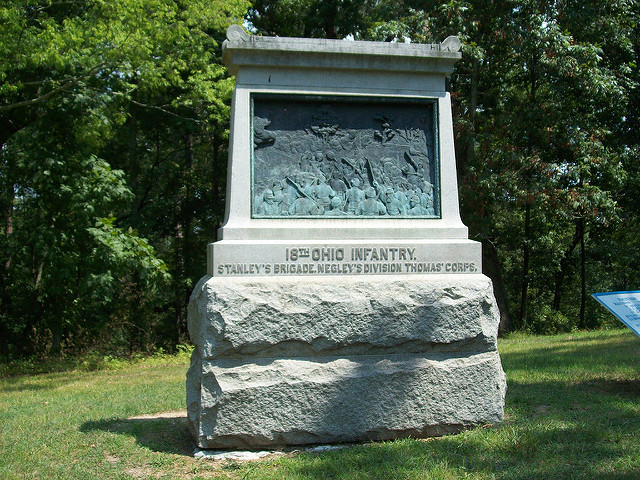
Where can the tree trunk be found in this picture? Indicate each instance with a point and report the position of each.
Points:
(4, 341)
(491, 268)
(217, 194)
(583, 275)
(56, 340)
(187, 210)
(8, 229)
(8, 232)
(183, 238)
(524, 291)
(526, 247)
(564, 265)
(473, 105)
(464, 141)
(133, 170)
(329, 13)
(5, 281)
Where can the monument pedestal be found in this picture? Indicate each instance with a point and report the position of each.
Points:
(321, 360)
(344, 300)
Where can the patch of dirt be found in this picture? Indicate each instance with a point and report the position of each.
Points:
(175, 414)
(139, 472)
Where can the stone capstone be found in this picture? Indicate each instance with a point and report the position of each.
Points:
(324, 360)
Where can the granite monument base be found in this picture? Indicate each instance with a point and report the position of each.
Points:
(289, 361)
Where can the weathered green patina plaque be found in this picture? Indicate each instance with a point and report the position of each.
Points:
(329, 156)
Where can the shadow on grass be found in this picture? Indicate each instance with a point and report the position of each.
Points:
(531, 457)
(159, 434)
(584, 354)
(28, 383)
(625, 388)
(584, 430)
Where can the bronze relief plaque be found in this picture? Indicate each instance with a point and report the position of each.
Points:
(349, 157)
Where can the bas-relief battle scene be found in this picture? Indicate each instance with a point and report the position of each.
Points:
(319, 157)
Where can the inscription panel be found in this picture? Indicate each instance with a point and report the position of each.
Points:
(317, 156)
(348, 259)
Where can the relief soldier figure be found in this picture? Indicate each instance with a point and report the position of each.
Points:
(394, 206)
(371, 206)
(268, 206)
(336, 208)
(354, 195)
(414, 206)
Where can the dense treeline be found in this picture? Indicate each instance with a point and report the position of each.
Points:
(113, 143)
(113, 130)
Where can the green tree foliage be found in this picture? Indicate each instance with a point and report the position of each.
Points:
(107, 108)
(309, 18)
(546, 109)
(546, 153)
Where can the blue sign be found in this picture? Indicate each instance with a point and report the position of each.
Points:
(624, 305)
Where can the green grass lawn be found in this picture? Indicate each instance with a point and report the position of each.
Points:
(573, 411)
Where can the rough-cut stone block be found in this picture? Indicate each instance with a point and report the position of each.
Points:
(310, 316)
(321, 360)
(301, 401)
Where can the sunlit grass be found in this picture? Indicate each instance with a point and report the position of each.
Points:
(573, 411)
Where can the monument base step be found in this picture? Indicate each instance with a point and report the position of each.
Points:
(277, 402)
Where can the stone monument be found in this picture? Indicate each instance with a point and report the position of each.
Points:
(343, 300)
